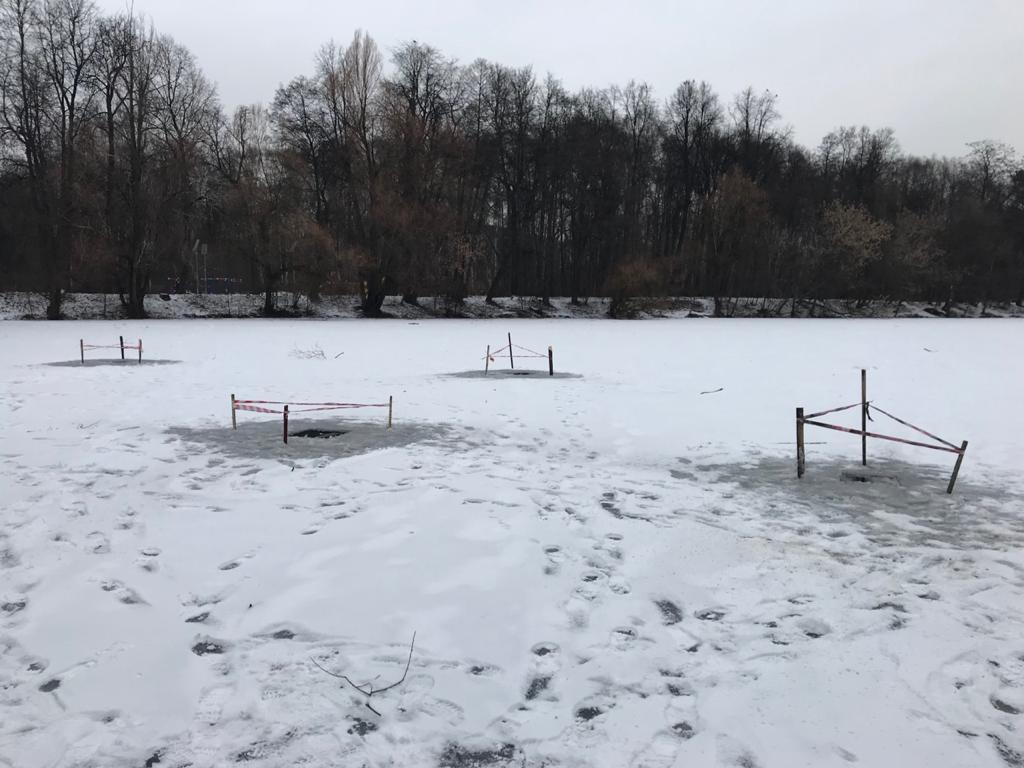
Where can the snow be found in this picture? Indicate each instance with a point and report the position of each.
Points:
(602, 569)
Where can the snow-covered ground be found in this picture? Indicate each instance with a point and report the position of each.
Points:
(608, 570)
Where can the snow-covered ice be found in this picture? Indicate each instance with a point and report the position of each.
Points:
(606, 569)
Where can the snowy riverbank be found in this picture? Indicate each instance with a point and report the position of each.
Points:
(89, 306)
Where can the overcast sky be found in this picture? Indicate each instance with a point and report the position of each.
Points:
(940, 72)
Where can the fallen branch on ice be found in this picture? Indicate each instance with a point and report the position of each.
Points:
(367, 688)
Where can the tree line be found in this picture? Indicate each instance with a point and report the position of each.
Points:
(120, 171)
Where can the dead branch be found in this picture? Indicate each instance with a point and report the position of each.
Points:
(367, 688)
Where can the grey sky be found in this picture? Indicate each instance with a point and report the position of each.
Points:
(940, 72)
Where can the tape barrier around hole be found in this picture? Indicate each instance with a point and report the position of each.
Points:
(531, 353)
(287, 408)
(289, 403)
(867, 406)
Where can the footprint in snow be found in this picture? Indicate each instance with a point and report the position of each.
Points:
(814, 628)
(123, 593)
(11, 607)
(544, 666)
(211, 705)
(710, 614)
(147, 559)
(623, 638)
(207, 645)
(661, 752)
(97, 543)
(619, 585)
(483, 670)
(670, 612)
(554, 555)
(230, 565)
(443, 709)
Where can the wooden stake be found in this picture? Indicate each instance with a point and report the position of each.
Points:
(551, 361)
(511, 359)
(956, 469)
(234, 422)
(391, 407)
(286, 425)
(81, 349)
(140, 351)
(799, 442)
(487, 360)
(122, 346)
(863, 417)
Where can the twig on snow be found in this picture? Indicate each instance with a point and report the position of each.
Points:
(367, 688)
(713, 391)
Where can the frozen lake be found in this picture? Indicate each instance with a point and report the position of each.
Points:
(603, 569)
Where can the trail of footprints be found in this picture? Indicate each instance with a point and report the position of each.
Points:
(693, 634)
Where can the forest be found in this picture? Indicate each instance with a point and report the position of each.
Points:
(407, 173)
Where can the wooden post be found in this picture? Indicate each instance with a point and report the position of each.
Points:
(863, 417)
(140, 351)
(81, 349)
(391, 407)
(551, 361)
(487, 359)
(234, 422)
(122, 346)
(956, 469)
(799, 442)
(286, 425)
(511, 359)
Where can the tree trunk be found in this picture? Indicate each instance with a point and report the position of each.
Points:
(374, 293)
(136, 296)
(55, 300)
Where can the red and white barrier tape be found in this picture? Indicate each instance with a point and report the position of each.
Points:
(496, 352)
(255, 408)
(916, 429)
(871, 407)
(289, 403)
(831, 410)
(882, 437)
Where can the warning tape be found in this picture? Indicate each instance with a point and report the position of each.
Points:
(870, 406)
(832, 410)
(496, 352)
(916, 429)
(255, 408)
(883, 437)
(338, 407)
(532, 352)
(290, 403)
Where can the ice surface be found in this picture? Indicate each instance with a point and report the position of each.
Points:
(606, 570)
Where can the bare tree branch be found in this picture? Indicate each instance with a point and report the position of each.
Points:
(367, 688)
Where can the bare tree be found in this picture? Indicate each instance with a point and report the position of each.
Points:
(24, 103)
(47, 101)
